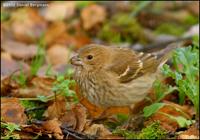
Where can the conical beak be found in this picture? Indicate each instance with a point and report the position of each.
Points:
(75, 60)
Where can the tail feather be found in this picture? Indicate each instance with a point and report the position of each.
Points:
(166, 53)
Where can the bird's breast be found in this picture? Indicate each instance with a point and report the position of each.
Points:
(104, 92)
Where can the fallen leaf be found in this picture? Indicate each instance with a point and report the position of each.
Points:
(92, 15)
(81, 115)
(60, 10)
(171, 109)
(77, 41)
(57, 109)
(97, 130)
(191, 133)
(9, 65)
(113, 137)
(81, 40)
(194, 8)
(53, 126)
(54, 31)
(19, 50)
(33, 129)
(58, 54)
(75, 118)
(35, 87)
(12, 111)
(27, 25)
(7, 85)
(69, 119)
(23, 135)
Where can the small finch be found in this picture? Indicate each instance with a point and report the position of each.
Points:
(116, 77)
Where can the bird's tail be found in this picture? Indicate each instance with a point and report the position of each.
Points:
(166, 53)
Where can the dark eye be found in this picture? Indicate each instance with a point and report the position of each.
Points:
(89, 57)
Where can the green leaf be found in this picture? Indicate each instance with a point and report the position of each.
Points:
(149, 110)
(10, 126)
(122, 117)
(183, 122)
(38, 61)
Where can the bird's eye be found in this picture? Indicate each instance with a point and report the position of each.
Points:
(89, 57)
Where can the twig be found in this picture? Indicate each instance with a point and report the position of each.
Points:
(70, 132)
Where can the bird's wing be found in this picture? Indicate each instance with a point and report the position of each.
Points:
(129, 65)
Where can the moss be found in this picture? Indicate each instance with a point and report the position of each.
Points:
(122, 28)
(125, 133)
(153, 131)
(170, 28)
(34, 114)
(191, 20)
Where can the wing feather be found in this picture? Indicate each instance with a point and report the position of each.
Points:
(131, 64)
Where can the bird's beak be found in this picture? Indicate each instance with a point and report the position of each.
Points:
(75, 60)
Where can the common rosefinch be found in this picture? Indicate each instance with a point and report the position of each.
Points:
(115, 77)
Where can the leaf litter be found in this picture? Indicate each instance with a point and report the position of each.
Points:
(38, 99)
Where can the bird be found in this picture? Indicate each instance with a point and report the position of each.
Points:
(110, 76)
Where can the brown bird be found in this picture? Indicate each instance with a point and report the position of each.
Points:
(116, 77)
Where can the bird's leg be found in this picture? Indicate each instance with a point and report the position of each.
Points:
(135, 121)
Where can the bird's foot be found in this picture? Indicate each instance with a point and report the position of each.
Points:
(134, 122)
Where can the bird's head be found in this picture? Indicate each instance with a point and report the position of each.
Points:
(91, 57)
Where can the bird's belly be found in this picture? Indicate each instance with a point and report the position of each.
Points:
(121, 95)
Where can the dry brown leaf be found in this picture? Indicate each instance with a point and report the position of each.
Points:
(57, 109)
(23, 135)
(191, 133)
(6, 56)
(75, 118)
(150, 20)
(53, 126)
(33, 129)
(97, 130)
(12, 111)
(93, 15)
(170, 108)
(7, 85)
(113, 137)
(81, 40)
(194, 7)
(19, 50)
(81, 115)
(8, 65)
(69, 119)
(37, 86)
(58, 54)
(27, 25)
(54, 31)
(59, 10)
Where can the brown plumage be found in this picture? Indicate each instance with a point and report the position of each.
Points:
(115, 77)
